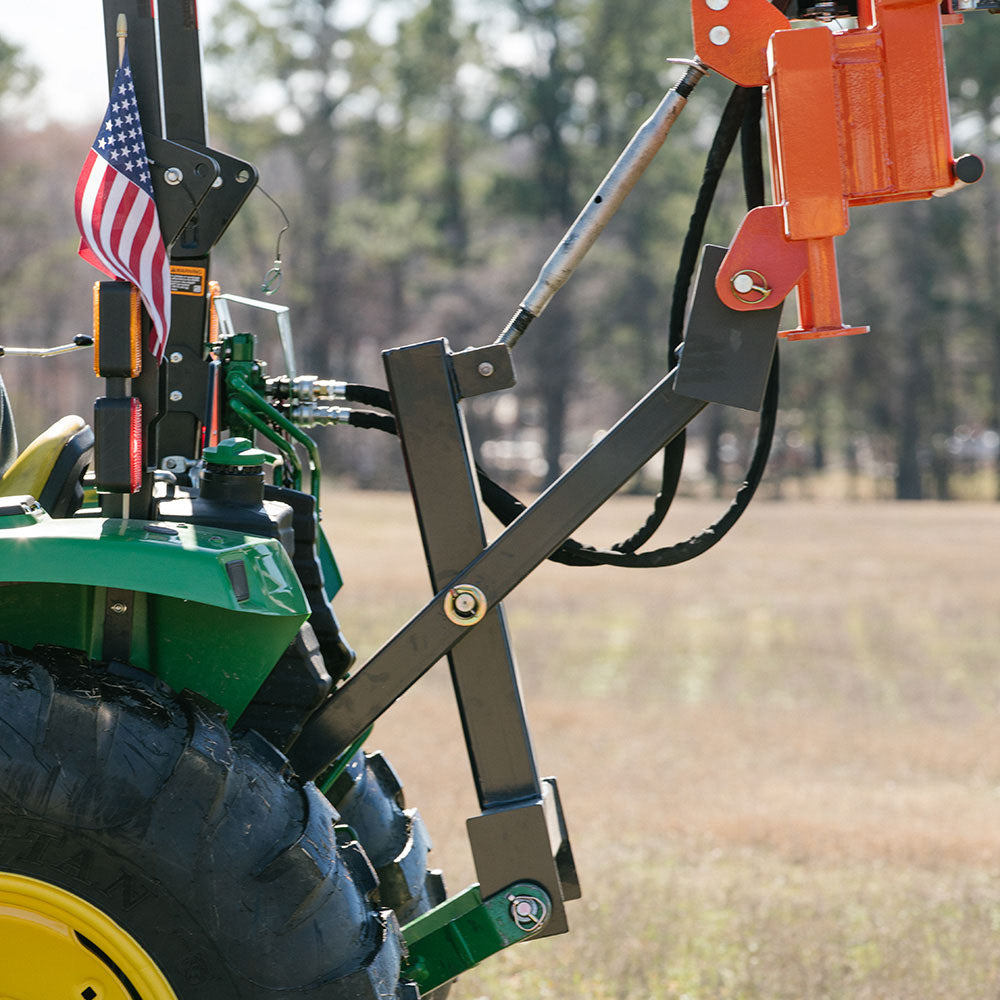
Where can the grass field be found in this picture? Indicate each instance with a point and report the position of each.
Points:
(779, 762)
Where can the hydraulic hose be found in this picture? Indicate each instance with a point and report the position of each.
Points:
(740, 118)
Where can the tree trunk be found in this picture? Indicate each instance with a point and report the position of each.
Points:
(713, 456)
(991, 255)
(908, 479)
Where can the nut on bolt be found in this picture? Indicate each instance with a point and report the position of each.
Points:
(465, 605)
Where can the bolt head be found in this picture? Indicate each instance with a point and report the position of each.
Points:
(119, 608)
(716, 4)
(719, 35)
(486, 369)
(465, 604)
(176, 357)
(742, 283)
(176, 396)
(173, 175)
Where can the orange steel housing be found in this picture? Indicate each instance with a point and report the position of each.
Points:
(856, 117)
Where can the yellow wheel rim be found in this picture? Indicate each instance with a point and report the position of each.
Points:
(56, 946)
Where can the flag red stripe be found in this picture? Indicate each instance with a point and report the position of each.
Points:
(139, 241)
(97, 212)
(89, 182)
(101, 182)
(81, 184)
(125, 204)
(161, 265)
(129, 231)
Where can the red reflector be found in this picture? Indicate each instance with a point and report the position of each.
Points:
(135, 445)
(118, 446)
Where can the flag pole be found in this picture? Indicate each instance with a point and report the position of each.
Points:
(121, 29)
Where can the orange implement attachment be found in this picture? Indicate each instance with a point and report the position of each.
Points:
(761, 248)
(856, 117)
(731, 37)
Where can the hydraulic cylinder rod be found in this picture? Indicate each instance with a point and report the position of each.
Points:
(606, 200)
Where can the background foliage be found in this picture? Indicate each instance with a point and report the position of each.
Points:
(430, 153)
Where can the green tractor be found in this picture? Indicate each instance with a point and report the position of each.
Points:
(187, 807)
(167, 634)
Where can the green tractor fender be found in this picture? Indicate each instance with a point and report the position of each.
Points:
(203, 609)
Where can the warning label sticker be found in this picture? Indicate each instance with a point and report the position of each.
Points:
(187, 280)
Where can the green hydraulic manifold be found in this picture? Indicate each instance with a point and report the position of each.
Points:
(250, 411)
(463, 931)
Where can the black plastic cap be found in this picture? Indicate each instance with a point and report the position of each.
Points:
(969, 168)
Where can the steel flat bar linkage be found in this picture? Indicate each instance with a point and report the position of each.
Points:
(725, 353)
(427, 383)
(443, 482)
(528, 541)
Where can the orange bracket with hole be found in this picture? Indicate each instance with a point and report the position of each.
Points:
(855, 117)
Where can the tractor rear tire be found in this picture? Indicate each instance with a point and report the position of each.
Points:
(170, 859)
(369, 798)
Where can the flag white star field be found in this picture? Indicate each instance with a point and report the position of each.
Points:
(116, 213)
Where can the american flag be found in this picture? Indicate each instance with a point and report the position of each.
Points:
(116, 213)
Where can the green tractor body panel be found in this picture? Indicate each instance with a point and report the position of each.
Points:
(332, 580)
(212, 611)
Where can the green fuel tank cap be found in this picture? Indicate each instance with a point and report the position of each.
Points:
(236, 451)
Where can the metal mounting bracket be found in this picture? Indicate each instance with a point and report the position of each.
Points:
(466, 929)
(510, 839)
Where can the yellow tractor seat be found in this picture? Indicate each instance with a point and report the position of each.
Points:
(51, 468)
(8, 436)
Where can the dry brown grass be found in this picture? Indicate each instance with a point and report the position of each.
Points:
(779, 762)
